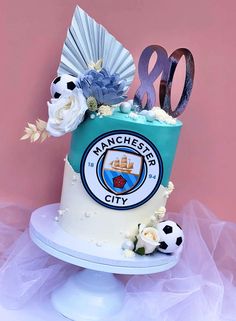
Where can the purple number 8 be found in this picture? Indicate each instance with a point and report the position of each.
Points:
(167, 66)
(146, 79)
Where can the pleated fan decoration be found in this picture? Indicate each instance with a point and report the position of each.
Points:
(87, 43)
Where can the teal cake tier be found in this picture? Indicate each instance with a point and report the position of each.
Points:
(163, 136)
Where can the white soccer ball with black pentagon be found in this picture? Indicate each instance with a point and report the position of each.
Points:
(62, 83)
(171, 236)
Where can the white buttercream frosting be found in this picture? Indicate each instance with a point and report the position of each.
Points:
(157, 113)
(129, 253)
(160, 213)
(170, 187)
(77, 201)
(133, 115)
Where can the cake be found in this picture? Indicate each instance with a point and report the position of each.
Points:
(117, 171)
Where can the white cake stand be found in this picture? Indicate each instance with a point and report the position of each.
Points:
(94, 293)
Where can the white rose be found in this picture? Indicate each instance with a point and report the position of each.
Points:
(147, 238)
(66, 112)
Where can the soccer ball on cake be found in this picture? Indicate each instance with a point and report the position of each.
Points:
(63, 83)
(171, 236)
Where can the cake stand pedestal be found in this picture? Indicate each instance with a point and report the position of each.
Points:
(94, 293)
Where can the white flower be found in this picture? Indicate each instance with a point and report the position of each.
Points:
(147, 238)
(66, 112)
(128, 253)
(105, 110)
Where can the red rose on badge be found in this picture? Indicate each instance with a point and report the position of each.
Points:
(119, 181)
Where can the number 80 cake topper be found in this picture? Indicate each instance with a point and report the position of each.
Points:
(167, 67)
(95, 74)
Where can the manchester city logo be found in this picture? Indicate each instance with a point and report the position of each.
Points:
(121, 169)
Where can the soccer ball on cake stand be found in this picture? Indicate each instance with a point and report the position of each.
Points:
(171, 236)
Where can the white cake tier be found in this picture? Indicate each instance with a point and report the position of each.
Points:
(80, 215)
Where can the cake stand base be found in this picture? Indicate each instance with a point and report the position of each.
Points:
(94, 293)
(89, 295)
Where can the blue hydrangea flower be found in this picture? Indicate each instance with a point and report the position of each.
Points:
(105, 88)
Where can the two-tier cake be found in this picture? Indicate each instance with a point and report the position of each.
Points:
(116, 179)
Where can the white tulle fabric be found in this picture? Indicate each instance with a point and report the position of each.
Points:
(201, 287)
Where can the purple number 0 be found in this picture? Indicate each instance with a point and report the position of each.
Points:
(167, 67)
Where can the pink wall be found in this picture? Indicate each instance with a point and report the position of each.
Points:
(33, 34)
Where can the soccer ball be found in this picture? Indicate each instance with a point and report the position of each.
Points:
(63, 83)
(171, 236)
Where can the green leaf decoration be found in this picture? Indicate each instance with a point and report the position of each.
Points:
(140, 251)
(135, 242)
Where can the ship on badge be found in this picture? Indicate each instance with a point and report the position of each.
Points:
(123, 165)
(121, 170)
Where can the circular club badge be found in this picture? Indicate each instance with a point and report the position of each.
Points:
(121, 169)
